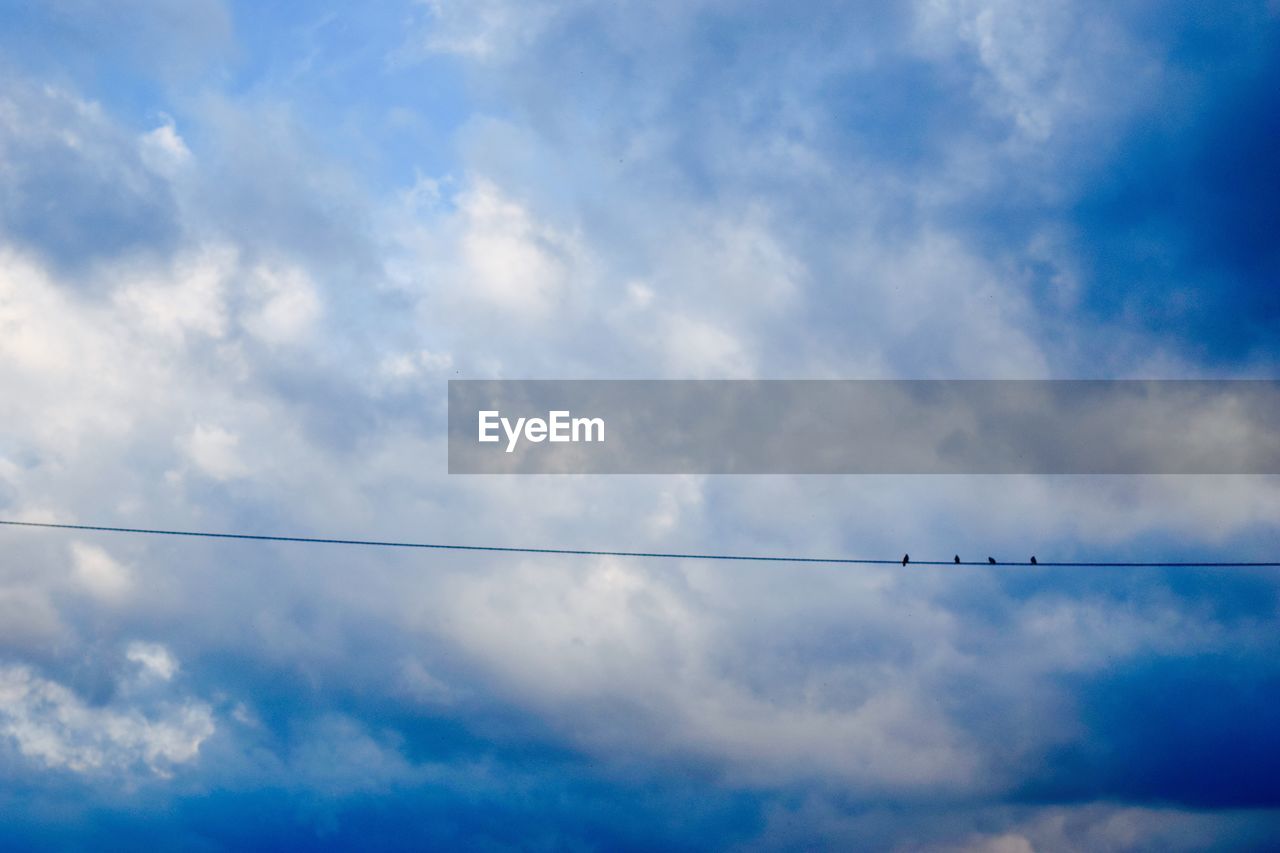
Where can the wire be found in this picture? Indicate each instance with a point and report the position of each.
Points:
(589, 553)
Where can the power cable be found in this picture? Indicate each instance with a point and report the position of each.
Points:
(580, 552)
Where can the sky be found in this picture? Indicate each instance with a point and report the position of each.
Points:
(243, 247)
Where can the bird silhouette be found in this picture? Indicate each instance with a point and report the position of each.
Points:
(906, 558)
(991, 560)
(1033, 560)
(957, 558)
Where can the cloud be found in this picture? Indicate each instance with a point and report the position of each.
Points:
(76, 187)
(30, 618)
(154, 660)
(1095, 826)
(1042, 67)
(286, 305)
(164, 151)
(99, 573)
(51, 725)
(175, 302)
(214, 451)
(509, 260)
(240, 318)
(480, 29)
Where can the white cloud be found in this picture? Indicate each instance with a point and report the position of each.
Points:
(509, 259)
(164, 151)
(485, 27)
(678, 500)
(98, 573)
(50, 724)
(215, 451)
(189, 299)
(700, 349)
(285, 304)
(409, 365)
(1080, 828)
(1045, 64)
(928, 307)
(663, 657)
(155, 660)
(639, 295)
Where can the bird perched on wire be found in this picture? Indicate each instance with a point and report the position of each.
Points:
(906, 558)
(957, 558)
(991, 560)
(1033, 560)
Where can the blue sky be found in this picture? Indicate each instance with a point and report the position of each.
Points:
(243, 246)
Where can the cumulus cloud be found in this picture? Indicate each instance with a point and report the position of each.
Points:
(51, 725)
(99, 573)
(486, 255)
(215, 452)
(509, 261)
(154, 660)
(286, 305)
(164, 150)
(189, 298)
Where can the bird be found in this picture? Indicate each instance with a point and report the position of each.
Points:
(957, 558)
(991, 560)
(906, 558)
(1033, 560)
